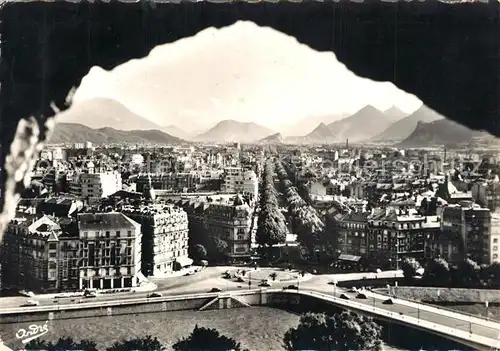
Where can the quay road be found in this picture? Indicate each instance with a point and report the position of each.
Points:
(204, 281)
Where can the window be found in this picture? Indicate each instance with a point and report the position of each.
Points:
(117, 233)
(52, 246)
(495, 241)
(129, 233)
(495, 248)
(107, 234)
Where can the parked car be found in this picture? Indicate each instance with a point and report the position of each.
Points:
(215, 290)
(344, 296)
(361, 296)
(388, 302)
(292, 287)
(90, 293)
(265, 284)
(353, 289)
(29, 303)
(154, 294)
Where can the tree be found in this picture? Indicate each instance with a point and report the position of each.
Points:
(437, 271)
(199, 252)
(61, 345)
(147, 343)
(217, 248)
(468, 273)
(344, 331)
(410, 267)
(207, 340)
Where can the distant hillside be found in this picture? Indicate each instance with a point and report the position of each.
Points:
(77, 133)
(101, 113)
(395, 113)
(308, 124)
(401, 129)
(177, 132)
(233, 131)
(361, 126)
(272, 139)
(441, 132)
(320, 135)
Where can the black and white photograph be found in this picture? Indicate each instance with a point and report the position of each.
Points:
(233, 176)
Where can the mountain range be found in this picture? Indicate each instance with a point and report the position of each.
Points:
(308, 124)
(442, 132)
(241, 72)
(401, 129)
(362, 125)
(234, 131)
(69, 133)
(101, 113)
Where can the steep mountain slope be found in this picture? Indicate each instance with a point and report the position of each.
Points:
(233, 131)
(69, 133)
(101, 113)
(177, 132)
(403, 128)
(395, 113)
(320, 135)
(308, 124)
(361, 126)
(441, 132)
(272, 139)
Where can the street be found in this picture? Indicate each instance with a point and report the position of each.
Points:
(211, 277)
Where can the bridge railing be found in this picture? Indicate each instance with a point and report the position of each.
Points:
(453, 333)
(383, 291)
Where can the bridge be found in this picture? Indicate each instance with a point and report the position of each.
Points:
(477, 333)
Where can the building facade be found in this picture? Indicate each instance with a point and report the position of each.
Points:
(470, 225)
(230, 221)
(110, 251)
(239, 180)
(93, 186)
(164, 237)
(41, 253)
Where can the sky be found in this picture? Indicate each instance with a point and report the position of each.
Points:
(242, 72)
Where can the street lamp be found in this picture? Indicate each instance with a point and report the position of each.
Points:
(334, 288)
(249, 280)
(487, 305)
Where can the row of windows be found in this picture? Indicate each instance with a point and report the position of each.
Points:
(107, 234)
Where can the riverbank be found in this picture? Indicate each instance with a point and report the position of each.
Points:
(257, 328)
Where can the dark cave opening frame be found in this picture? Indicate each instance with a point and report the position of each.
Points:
(336, 24)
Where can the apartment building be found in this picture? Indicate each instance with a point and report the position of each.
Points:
(239, 180)
(177, 182)
(395, 233)
(493, 241)
(352, 233)
(164, 237)
(93, 186)
(41, 252)
(110, 250)
(228, 219)
(468, 226)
